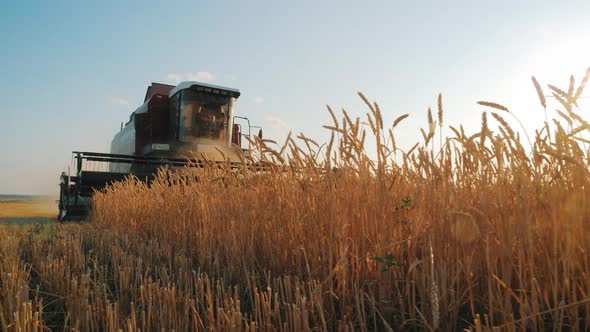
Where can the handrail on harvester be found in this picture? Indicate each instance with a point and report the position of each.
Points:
(144, 160)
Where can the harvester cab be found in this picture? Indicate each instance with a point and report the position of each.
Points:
(174, 125)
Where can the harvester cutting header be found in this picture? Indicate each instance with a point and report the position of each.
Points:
(174, 124)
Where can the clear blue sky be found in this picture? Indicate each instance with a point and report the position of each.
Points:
(71, 72)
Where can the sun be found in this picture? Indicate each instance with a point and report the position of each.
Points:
(552, 60)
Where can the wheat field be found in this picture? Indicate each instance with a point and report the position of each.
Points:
(475, 230)
(27, 207)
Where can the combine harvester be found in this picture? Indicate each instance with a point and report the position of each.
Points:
(174, 124)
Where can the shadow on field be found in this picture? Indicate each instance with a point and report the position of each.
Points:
(25, 220)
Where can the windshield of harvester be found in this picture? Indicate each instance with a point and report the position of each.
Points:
(203, 116)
